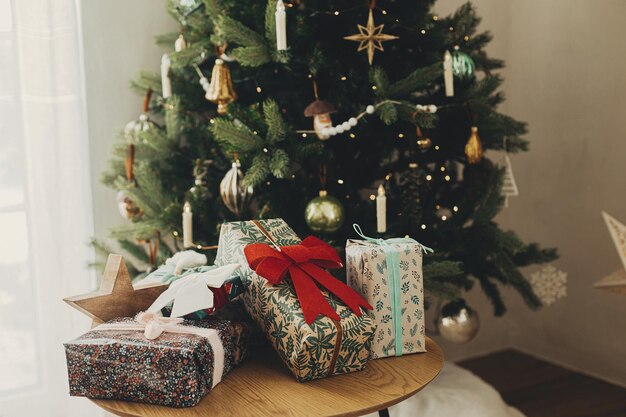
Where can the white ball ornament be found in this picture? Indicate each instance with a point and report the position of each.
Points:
(339, 128)
(370, 109)
(432, 108)
(419, 107)
(353, 121)
(332, 131)
(346, 126)
(326, 132)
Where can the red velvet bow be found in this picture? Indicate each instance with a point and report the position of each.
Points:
(304, 262)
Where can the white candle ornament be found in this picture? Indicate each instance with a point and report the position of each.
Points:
(281, 26)
(187, 225)
(381, 210)
(448, 76)
(166, 84)
(180, 43)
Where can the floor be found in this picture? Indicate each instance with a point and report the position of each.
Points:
(540, 389)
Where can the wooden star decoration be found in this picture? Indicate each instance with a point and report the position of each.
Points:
(116, 297)
(615, 282)
(371, 37)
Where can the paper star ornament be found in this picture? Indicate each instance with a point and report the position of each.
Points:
(370, 37)
(617, 280)
(116, 297)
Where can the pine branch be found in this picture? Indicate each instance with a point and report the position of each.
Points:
(419, 79)
(279, 163)
(252, 56)
(276, 126)
(258, 172)
(235, 138)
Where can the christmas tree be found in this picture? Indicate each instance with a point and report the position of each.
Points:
(262, 106)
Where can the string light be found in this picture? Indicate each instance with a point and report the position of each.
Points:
(352, 135)
(258, 89)
(451, 28)
(343, 78)
(339, 181)
(336, 13)
(413, 165)
(388, 176)
(455, 209)
(435, 17)
(384, 11)
(429, 177)
(466, 38)
(423, 227)
(447, 178)
(304, 135)
(212, 121)
(423, 31)
(374, 88)
(265, 150)
(444, 218)
(175, 233)
(400, 135)
(436, 147)
(442, 169)
(372, 197)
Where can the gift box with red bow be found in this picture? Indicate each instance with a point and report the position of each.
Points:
(316, 334)
(152, 359)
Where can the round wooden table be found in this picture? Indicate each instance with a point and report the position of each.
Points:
(262, 386)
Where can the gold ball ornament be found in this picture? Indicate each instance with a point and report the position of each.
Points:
(458, 323)
(473, 147)
(324, 214)
(221, 90)
(235, 195)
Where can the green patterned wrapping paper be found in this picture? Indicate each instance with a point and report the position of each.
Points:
(367, 274)
(325, 347)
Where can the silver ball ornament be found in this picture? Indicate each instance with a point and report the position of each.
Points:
(458, 323)
(235, 195)
(324, 214)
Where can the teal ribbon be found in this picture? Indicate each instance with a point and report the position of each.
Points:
(392, 259)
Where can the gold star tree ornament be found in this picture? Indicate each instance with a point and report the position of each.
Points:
(615, 282)
(370, 37)
(116, 297)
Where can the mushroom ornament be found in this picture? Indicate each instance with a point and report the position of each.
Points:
(320, 110)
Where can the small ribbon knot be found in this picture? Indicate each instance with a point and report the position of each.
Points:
(155, 325)
(305, 263)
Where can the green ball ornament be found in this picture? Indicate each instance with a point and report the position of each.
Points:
(324, 214)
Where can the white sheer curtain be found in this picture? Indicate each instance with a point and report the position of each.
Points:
(45, 204)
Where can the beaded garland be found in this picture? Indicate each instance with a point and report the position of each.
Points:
(175, 370)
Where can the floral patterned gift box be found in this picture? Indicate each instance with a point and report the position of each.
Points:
(388, 274)
(175, 368)
(323, 348)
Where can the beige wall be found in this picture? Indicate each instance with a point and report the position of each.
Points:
(565, 75)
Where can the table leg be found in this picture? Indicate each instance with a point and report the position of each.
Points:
(383, 413)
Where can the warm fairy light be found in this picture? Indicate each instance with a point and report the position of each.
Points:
(413, 165)
(388, 177)
(265, 150)
(293, 176)
(423, 31)
(211, 121)
(451, 28)
(352, 135)
(455, 209)
(407, 236)
(339, 181)
(310, 75)
(400, 135)
(437, 206)
(336, 13)
(289, 5)
(258, 89)
(429, 177)
(447, 178)
(435, 17)
(175, 233)
(343, 78)
(268, 183)
(255, 132)
(374, 87)
(384, 11)
(372, 197)
(199, 247)
(436, 147)
(444, 218)
(423, 227)
(466, 38)
(304, 135)
(442, 169)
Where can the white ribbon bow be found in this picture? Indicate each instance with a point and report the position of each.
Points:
(191, 293)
